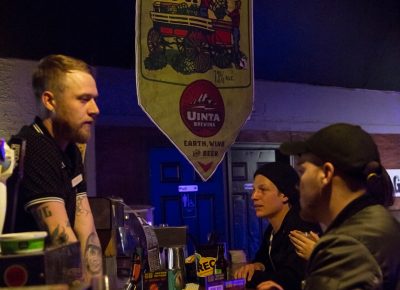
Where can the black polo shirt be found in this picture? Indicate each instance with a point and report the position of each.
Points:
(49, 174)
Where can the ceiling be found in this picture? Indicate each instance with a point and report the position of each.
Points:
(342, 43)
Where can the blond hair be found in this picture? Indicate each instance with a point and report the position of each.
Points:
(50, 72)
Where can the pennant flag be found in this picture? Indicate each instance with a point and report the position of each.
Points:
(194, 73)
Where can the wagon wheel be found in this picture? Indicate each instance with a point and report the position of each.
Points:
(197, 49)
(222, 57)
(154, 41)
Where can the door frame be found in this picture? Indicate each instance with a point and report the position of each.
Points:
(228, 165)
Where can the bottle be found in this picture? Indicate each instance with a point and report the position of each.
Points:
(221, 264)
(135, 271)
(176, 268)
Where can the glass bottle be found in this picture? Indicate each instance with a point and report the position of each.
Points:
(135, 271)
(221, 264)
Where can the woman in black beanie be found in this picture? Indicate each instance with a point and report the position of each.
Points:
(275, 197)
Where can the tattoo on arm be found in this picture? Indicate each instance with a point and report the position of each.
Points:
(40, 214)
(92, 255)
(59, 236)
(79, 208)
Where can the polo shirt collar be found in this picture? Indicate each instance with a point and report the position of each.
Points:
(40, 127)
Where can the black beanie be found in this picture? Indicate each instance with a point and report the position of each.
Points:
(284, 177)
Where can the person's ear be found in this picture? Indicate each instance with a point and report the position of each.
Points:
(328, 170)
(48, 101)
(285, 199)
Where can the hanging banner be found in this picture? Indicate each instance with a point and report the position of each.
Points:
(194, 73)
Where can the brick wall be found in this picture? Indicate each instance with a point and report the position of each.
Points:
(282, 111)
(17, 106)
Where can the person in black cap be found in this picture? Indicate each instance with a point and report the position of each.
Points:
(344, 186)
(276, 198)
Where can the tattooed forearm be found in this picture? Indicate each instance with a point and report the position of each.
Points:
(40, 214)
(93, 255)
(80, 210)
(59, 235)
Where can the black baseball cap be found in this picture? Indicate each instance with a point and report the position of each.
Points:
(346, 146)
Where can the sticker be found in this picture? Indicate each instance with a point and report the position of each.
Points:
(15, 276)
(76, 180)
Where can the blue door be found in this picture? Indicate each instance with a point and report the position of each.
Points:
(180, 197)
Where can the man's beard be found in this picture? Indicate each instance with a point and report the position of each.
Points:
(308, 211)
(81, 137)
(73, 135)
(313, 209)
(307, 215)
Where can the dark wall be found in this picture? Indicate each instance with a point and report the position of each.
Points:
(339, 43)
(388, 144)
(123, 166)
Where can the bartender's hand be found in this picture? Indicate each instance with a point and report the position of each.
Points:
(304, 243)
(269, 285)
(247, 271)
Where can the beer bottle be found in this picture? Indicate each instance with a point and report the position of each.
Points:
(221, 264)
(135, 271)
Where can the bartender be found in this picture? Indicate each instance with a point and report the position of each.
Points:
(52, 192)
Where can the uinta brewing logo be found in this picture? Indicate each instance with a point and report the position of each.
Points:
(202, 108)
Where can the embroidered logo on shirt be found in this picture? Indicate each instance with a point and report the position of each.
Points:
(76, 180)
